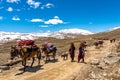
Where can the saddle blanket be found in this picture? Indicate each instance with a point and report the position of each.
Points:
(26, 42)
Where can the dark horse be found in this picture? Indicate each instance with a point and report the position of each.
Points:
(112, 40)
(26, 52)
(47, 50)
(13, 52)
(98, 44)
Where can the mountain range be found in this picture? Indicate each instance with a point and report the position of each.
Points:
(9, 36)
(62, 34)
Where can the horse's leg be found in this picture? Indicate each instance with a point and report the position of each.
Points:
(67, 57)
(46, 59)
(54, 53)
(47, 56)
(64, 57)
(39, 57)
(32, 61)
(24, 63)
(38, 61)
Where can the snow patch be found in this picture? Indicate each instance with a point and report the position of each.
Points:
(114, 28)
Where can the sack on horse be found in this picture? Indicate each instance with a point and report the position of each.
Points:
(49, 47)
(29, 49)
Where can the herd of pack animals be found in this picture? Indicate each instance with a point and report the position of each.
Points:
(30, 50)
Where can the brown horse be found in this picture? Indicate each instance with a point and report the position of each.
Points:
(26, 52)
(98, 44)
(47, 50)
(112, 40)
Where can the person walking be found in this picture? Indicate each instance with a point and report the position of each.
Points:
(72, 51)
(81, 53)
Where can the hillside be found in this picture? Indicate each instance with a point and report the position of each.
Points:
(108, 34)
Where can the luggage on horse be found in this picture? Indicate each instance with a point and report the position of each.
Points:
(52, 47)
(26, 43)
(30, 49)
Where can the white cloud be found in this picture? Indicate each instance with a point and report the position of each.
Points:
(13, 1)
(10, 9)
(56, 17)
(48, 5)
(1, 17)
(44, 26)
(36, 20)
(33, 3)
(15, 18)
(54, 21)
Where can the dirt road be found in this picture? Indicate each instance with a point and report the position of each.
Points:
(59, 70)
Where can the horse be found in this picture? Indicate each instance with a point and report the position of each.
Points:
(98, 43)
(47, 50)
(27, 52)
(112, 40)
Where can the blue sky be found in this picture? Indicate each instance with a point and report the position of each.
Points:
(27, 16)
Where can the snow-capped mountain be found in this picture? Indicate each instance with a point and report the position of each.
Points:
(9, 36)
(114, 28)
(71, 33)
(75, 31)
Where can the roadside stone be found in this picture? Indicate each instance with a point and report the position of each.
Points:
(118, 54)
(0, 70)
(4, 67)
(111, 60)
(95, 62)
(100, 67)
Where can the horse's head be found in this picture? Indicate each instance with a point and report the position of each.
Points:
(43, 47)
(96, 43)
(13, 48)
(13, 52)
